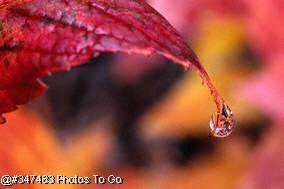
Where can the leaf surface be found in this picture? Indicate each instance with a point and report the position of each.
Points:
(40, 37)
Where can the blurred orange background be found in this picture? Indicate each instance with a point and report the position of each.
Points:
(147, 121)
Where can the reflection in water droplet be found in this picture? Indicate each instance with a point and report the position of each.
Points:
(225, 126)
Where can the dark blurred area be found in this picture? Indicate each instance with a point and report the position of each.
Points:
(90, 92)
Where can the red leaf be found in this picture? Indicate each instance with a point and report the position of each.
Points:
(40, 37)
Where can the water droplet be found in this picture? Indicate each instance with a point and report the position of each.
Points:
(222, 126)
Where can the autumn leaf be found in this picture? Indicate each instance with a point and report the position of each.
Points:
(221, 53)
(41, 37)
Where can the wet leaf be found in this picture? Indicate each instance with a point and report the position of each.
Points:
(185, 109)
(40, 37)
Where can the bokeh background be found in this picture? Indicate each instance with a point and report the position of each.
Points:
(147, 120)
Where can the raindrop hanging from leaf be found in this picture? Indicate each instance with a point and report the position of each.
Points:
(222, 125)
(87, 28)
